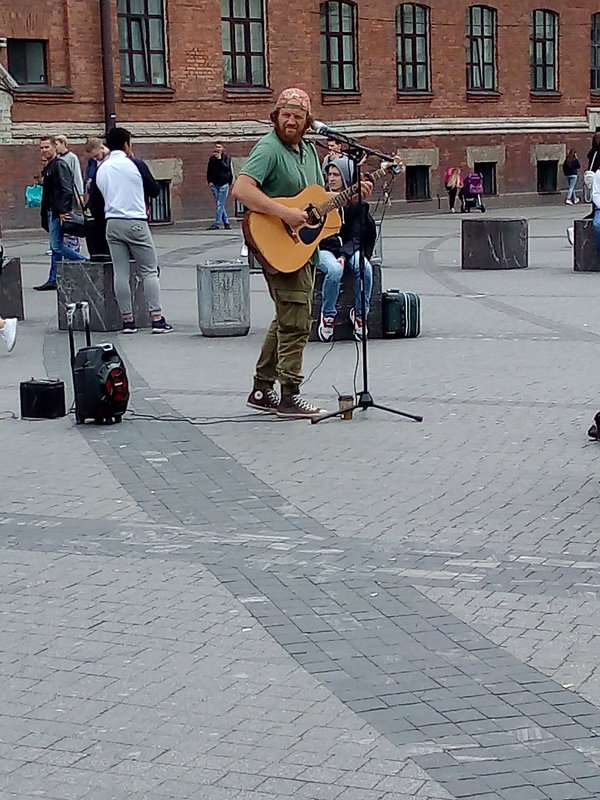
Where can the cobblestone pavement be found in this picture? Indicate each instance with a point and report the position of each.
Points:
(257, 609)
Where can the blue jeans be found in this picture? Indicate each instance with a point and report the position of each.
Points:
(333, 271)
(220, 194)
(571, 184)
(596, 227)
(60, 252)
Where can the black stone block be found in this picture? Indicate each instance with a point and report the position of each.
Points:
(11, 289)
(343, 327)
(494, 243)
(93, 281)
(585, 249)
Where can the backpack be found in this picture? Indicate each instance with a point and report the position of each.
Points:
(588, 178)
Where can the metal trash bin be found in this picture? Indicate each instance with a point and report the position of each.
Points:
(223, 297)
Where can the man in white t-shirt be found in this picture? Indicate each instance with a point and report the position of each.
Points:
(124, 183)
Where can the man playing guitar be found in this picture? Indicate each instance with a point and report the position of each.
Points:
(282, 164)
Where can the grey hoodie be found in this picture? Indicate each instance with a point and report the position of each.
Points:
(356, 221)
(345, 167)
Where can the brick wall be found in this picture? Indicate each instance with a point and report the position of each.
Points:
(72, 28)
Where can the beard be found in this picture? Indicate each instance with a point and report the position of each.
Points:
(289, 136)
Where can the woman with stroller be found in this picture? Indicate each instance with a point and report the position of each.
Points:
(471, 193)
(452, 182)
(571, 167)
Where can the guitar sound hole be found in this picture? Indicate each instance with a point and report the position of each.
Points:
(309, 233)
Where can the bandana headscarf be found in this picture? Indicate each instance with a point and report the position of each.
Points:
(294, 97)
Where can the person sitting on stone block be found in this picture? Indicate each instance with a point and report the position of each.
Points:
(342, 251)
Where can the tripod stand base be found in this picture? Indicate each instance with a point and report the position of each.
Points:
(364, 401)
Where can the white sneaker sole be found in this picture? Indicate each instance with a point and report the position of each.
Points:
(261, 408)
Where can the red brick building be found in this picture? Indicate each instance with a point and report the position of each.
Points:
(506, 86)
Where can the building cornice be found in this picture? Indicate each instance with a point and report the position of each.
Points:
(250, 130)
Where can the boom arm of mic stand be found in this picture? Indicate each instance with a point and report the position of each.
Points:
(343, 139)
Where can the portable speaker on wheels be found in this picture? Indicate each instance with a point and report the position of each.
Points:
(99, 375)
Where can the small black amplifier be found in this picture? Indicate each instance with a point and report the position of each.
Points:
(42, 399)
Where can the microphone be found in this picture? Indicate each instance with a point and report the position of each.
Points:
(325, 130)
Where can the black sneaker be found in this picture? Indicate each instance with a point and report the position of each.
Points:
(293, 406)
(129, 326)
(263, 400)
(161, 326)
(49, 286)
(213, 227)
(227, 226)
(594, 431)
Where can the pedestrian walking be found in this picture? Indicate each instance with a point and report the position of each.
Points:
(596, 203)
(57, 202)
(8, 332)
(96, 152)
(452, 182)
(62, 148)
(593, 165)
(219, 177)
(571, 167)
(124, 183)
(593, 158)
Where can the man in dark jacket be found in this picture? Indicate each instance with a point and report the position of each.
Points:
(342, 250)
(219, 177)
(57, 202)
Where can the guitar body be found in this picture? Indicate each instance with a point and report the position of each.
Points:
(278, 247)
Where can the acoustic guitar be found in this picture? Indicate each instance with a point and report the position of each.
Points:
(278, 246)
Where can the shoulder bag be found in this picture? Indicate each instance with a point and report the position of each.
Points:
(74, 223)
(588, 180)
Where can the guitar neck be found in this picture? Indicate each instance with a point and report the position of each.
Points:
(344, 197)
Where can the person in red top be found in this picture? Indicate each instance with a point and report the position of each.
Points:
(452, 182)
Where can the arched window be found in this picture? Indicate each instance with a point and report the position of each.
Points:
(543, 48)
(412, 48)
(595, 54)
(481, 48)
(339, 71)
(243, 43)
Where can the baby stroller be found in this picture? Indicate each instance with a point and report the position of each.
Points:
(470, 194)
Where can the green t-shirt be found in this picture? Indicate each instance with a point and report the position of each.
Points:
(281, 171)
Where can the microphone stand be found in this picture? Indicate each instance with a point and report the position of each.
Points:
(364, 400)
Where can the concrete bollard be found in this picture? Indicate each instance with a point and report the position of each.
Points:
(585, 249)
(494, 243)
(93, 281)
(11, 289)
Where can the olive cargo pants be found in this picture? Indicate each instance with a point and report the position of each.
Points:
(283, 348)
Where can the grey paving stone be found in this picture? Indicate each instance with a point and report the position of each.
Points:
(477, 542)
